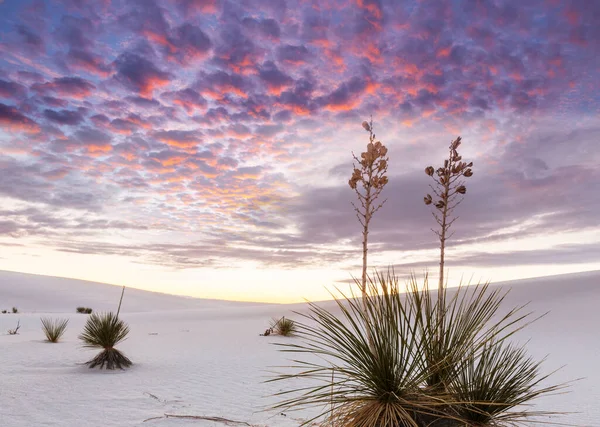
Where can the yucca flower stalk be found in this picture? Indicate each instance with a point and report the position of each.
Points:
(54, 328)
(104, 331)
(368, 181)
(449, 188)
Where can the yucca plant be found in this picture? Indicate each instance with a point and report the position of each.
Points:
(358, 382)
(105, 331)
(284, 327)
(491, 383)
(54, 328)
(407, 376)
(471, 319)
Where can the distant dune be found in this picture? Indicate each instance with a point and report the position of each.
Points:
(36, 293)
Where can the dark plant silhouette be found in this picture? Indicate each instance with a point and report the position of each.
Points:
(15, 331)
(104, 331)
(448, 190)
(54, 328)
(283, 326)
(386, 381)
(368, 179)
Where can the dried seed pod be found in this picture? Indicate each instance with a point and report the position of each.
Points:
(461, 189)
(468, 173)
(427, 199)
(440, 204)
(366, 126)
(429, 170)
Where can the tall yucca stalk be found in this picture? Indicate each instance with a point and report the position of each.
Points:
(368, 179)
(54, 328)
(105, 331)
(448, 188)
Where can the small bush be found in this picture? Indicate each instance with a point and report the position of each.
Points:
(16, 330)
(284, 327)
(15, 310)
(105, 331)
(88, 310)
(80, 309)
(54, 328)
(84, 310)
(4, 311)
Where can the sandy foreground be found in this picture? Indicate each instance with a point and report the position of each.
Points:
(206, 358)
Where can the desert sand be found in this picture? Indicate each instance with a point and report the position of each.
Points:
(206, 358)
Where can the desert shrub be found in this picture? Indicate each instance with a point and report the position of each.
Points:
(80, 309)
(88, 310)
(4, 311)
(104, 331)
(15, 331)
(283, 326)
(409, 375)
(15, 310)
(54, 328)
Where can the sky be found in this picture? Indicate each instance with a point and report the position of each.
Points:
(204, 147)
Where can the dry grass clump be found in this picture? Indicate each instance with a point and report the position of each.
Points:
(54, 328)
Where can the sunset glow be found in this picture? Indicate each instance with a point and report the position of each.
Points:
(204, 147)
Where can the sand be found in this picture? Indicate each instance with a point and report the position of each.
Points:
(206, 358)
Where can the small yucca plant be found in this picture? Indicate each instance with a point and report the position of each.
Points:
(105, 331)
(54, 328)
(284, 327)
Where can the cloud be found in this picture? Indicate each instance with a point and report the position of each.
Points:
(229, 122)
(12, 120)
(179, 138)
(293, 54)
(268, 27)
(275, 79)
(81, 60)
(188, 99)
(64, 117)
(187, 44)
(219, 82)
(30, 39)
(74, 87)
(139, 74)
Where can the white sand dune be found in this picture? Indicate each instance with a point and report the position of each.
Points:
(204, 357)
